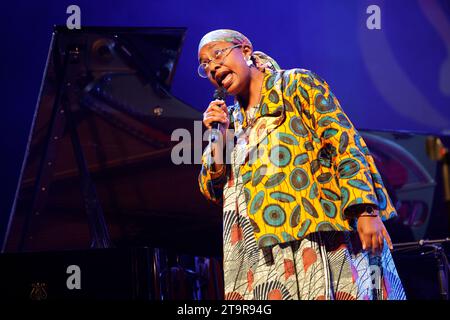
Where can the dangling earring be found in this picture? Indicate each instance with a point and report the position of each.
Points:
(249, 62)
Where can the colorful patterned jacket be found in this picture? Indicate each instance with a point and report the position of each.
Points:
(311, 164)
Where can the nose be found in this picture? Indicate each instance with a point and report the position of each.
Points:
(215, 68)
(216, 64)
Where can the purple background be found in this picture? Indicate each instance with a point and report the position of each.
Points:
(384, 79)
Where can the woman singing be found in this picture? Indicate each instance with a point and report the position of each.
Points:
(303, 202)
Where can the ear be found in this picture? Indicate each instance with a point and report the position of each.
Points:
(247, 51)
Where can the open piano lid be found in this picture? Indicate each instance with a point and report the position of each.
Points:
(113, 85)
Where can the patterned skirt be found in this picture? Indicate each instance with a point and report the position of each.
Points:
(324, 266)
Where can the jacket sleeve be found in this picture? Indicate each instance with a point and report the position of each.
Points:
(358, 178)
(211, 183)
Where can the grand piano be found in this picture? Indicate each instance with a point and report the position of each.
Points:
(99, 198)
(97, 173)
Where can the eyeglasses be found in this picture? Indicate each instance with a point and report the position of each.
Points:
(219, 56)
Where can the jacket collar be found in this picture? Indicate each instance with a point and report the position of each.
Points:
(271, 111)
(271, 100)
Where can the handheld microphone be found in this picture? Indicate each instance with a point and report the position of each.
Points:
(219, 94)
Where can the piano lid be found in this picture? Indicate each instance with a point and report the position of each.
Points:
(153, 52)
(114, 84)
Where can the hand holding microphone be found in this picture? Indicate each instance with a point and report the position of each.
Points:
(216, 119)
(216, 116)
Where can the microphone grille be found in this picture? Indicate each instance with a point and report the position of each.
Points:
(220, 93)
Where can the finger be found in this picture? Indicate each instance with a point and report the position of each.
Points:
(216, 104)
(380, 243)
(212, 119)
(217, 118)
(221, 105)
(224, 108)
(367, 242)
(217, 109)
(215, 113)
(375, 245)
(388, 238)
(221, 109)
(217, 101)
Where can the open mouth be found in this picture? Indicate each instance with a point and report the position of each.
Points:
(224, 79)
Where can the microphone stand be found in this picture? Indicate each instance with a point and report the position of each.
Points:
(440, 256)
